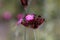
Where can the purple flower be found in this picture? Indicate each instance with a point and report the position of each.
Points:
(7, 15)
(32, 21)
(20, 16)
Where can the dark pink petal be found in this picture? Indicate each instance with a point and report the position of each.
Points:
(42, 20)
(19, 21)
(19, 16)
(25, 23)
(34, 26)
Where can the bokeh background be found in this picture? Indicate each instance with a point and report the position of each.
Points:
(49, 9)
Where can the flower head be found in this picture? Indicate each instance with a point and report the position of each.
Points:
(32, 21)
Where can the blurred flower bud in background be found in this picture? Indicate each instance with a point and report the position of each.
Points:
(6, 15)
(19, 16)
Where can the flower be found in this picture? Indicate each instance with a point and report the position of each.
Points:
(19, 16)
(32, 21)
(7, 15)
(24, 3)
(29, 17)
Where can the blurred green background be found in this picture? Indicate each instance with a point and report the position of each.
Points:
(49, 9)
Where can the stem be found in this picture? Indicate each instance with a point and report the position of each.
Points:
(34, 35)
(26, 9)
(17, 33)
(26, 30)
(25, 34)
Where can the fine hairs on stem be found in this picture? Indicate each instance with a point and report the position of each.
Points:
(34, 35)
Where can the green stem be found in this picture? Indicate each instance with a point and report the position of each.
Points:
(34, 35)
(17, 33)
(25, 34)
(26, 30)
